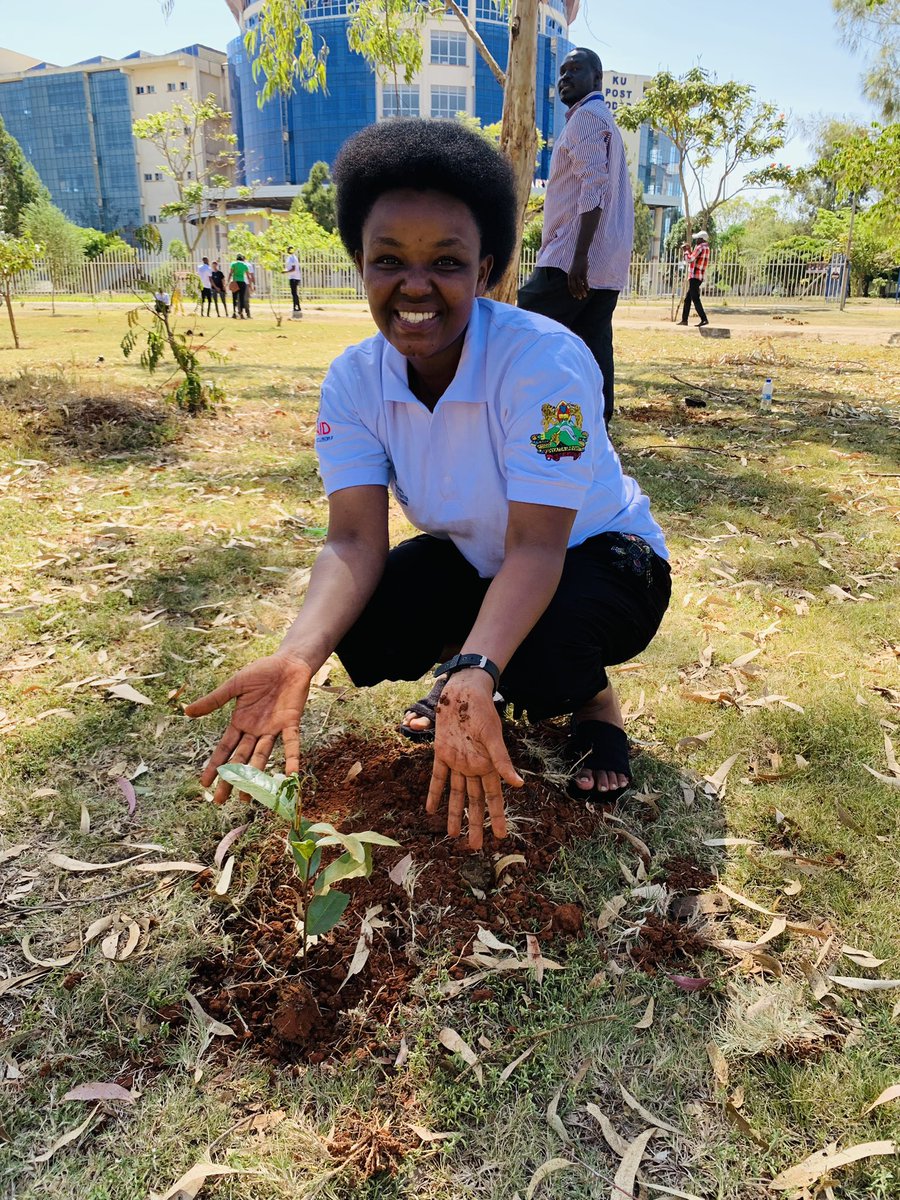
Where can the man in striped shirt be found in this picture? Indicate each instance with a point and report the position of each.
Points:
(697, 261)
(588, 218)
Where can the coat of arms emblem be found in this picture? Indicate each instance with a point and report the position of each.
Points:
(563, 436)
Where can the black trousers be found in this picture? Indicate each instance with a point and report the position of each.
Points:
(693, 297)
(295, 293)
(547, 292)
(206, 298)
(219, 295)
(609, 604)
(240, 300)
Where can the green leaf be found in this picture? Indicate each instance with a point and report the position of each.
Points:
(349, 841)
(345, 867)
(324, 912)
(307, 860)
(376, 839)
(262, 787)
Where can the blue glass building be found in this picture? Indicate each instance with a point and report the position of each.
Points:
(279, 142)
(75, 129)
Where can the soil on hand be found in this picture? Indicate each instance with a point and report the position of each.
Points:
(257, 982)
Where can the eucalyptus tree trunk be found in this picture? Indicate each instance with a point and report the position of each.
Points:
(518, 138)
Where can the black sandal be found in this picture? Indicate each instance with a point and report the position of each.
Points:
(426, 707)
(599, 746)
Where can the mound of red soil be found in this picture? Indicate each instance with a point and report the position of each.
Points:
(257, 982)
(663, 943)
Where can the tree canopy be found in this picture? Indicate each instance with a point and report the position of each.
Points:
(19, 184)
(719, 129)
(196, 148)
(872, 28)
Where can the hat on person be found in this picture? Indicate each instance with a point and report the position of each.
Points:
(701, 233)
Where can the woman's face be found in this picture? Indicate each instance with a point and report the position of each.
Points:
(422, 266)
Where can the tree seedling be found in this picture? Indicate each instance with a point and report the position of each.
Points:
(321, 906)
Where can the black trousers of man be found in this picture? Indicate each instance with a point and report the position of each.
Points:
(693, 297)
(547, 292)
(206, 298)
(295, 293)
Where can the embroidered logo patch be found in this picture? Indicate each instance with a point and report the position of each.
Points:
(563, 436)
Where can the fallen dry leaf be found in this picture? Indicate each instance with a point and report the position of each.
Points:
(719, 778)
(535, 958)
(354, 771)
(124, 691)
(739, 1121)
(510, 1067)
(889, 1094)
(623, 1184)
(547, 1168)
(223, 883)
(745, 902)
(610, 912)
(456, 1045)
(647, 1019)
(46, 962)
(226, 843)
(67, 1138)
(429, 1135)
(508, 860)
(127, 789)
(690, 983)
(190, 1183)
(865, 985)
(160, 867)
(12, 852)
(718, 1062)
(399, 871)
(643, 1112)
(614, 1139)
(823, 1162)
(553, 1118)
(100, 1091)
(862, 958)
(76, 864)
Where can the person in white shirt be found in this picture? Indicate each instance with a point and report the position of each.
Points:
(294, 276)
(539, 563)
(204, 274)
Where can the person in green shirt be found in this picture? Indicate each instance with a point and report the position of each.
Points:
(240, 273)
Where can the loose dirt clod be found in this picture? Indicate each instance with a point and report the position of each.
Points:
(297, 1013)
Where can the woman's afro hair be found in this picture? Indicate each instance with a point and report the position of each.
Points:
(441, 156)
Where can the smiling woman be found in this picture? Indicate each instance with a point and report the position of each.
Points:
(539, 563)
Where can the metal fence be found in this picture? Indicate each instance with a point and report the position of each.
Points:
(330, 277)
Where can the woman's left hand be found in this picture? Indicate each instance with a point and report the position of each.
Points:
(470, 754)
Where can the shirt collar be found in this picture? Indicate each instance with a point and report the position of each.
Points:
(590, 96)
(465, 387)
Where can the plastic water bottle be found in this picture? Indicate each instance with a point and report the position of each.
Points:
(765, 399)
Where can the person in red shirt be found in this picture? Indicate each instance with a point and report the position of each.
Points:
(697, 260)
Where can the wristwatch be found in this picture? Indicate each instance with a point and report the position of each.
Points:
(463, 662)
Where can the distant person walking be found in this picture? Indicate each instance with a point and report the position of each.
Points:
(588, 219)
(162, 302)
(240, 274)
(294, 277)
(697, 260)
(217, 282)
(204, 274)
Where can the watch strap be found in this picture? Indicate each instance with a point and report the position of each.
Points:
(464, 662)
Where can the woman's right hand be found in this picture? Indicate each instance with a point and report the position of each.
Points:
(270, 695)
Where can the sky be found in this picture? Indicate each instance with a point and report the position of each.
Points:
(789, 49)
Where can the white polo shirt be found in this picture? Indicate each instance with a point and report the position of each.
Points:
(521, 421)
(292, 267)
(204, 270)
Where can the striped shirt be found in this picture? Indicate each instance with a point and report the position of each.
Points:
(698, 260)
(588, 170)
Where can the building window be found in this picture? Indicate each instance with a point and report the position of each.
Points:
(158, 176)
(148, 177)
(151, 89)
(184, 86)
(447, 101)
(401, 101)
(152, 220)
(190, 174)
(488, 10)
(139, 91)
(448, 48)
(171, 87)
